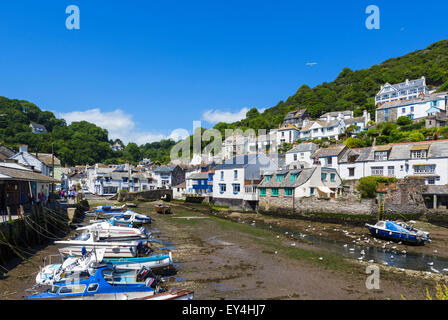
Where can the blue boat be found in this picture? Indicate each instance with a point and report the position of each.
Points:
(100, 283)
(398, 231)
(131, 217)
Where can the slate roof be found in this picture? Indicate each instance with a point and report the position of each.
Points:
(304, 176)
(163, 169)
(336, 113)
(400, 151)
(304, 147)
(424, 99)
(434, 189)
(328, 152)
(9, 173)
(46, 158)
(198, 175)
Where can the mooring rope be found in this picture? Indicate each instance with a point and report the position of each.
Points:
(57, 237)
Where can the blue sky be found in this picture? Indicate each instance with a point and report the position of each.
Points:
(145, 68)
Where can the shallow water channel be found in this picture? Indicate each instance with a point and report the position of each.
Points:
(391, 257)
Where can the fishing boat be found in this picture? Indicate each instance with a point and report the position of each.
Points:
(161, 208)
(88, 241)
(398, 231)
(98, 284)
(107, 230)
(69, 268)
(132, 217)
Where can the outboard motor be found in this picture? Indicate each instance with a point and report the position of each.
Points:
(153, 282)
(143, 273)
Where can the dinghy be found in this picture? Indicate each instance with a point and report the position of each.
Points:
(154, 262)
(163, 209)
(398, 231)
(132, 217)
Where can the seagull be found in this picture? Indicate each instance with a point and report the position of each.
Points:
(403, 252)
(430, 263)
(385, 263)
(391, 257)
(370, 261)
(360, 258)
(293, 244)
(345, 245)
(362, 252)
(434, 270)
(445, 270)
(435, 251)
(320, 258)
(394, 247)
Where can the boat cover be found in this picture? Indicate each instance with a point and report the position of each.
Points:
(395, 227)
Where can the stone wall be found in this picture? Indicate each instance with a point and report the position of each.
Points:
(405, 196)
(285, 205)
(145, 195)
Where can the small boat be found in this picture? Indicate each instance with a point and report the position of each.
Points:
(98, 284)
(131, 204)
(73, 267)
(154, 262)
(69, 268)
(88, 241)
(132, 217)
(164, 209)
(109, 230)
(398, 231)
(171, 295)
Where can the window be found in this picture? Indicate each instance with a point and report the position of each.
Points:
(329, 160)
(236, 188)
(262, 191)
(403, 110)
(412, 109)
(418, 154)
(92, 287)
(222, 188)
(294, 176)
(391, 171)
(125, 179)
(312, 191)
(424, 168)
(332, 176)
(274, 192)
(377, 171)
(267, 178)
(401, 167)
(380, 155)
(403, 93)
(235, 174)
(279, 177)
(295, 156)
(288, 192)
(72, 289)
(431, 180)
(351, 172)
(222, 175)
(323, 177)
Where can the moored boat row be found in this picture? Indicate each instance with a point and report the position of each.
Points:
(108, 260)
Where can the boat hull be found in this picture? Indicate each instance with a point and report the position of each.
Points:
(395, 236)
(111, 251)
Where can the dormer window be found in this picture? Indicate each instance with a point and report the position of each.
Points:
(380, 155)
(419, 151)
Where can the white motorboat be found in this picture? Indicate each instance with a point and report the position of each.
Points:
(69, 268)
(89, 241)
(107, 230)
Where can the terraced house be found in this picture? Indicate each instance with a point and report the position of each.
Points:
(426, 159)
(280, 189)
(235, 181)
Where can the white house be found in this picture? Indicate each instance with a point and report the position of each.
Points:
(329, 157)
(25, 158)
(282, 186)
(301, 155)
(287, 134)
(336, 115)
(235, 181)
(428, 159)
(320, 129)
(415, 108)
(409, 89)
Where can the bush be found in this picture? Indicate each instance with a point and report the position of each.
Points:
(404, 121)
(367, 185)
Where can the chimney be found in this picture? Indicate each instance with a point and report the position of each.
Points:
(23, 148)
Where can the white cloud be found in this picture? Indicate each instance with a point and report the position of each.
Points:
(120, 125)
(215, 116)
